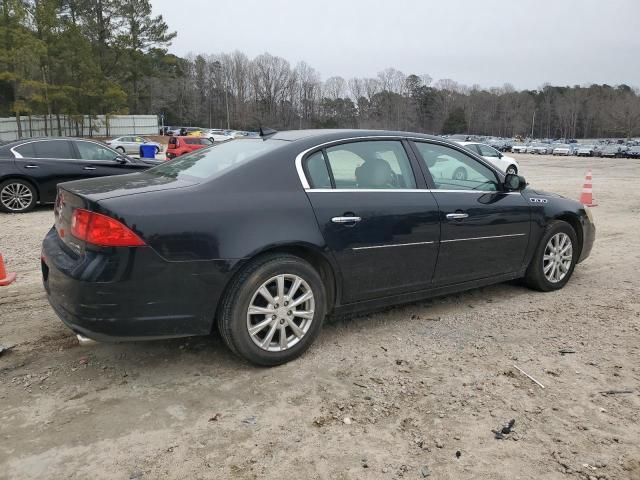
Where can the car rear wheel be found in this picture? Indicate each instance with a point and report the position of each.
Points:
(273, 310)
(555, 258)
(460, 174)
(512, 170)
(17, 196)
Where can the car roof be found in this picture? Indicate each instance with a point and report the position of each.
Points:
(15, 143)
(339, 134)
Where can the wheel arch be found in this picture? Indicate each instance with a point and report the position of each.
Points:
(574, 221)
(310, 253)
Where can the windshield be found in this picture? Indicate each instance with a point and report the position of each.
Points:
(212, 161)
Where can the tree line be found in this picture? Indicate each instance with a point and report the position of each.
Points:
(75, 57)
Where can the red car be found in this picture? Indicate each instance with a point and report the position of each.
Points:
(181, 145)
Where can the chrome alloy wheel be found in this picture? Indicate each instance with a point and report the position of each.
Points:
(280, 312)
(16, 197)
(558, 255)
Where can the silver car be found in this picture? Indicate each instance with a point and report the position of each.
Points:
(131, 144)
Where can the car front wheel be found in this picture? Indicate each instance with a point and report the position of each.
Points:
(17, 196)
(555, 258)
(273, 310)
(120, 149)
(512, 170)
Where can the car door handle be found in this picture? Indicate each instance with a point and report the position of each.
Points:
(31, 166)
(89, 168)
(456, 216)
(346, 219)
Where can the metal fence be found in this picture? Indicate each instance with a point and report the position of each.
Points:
(78, 126)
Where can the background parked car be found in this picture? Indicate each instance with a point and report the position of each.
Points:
(519, 148)
(501, 161)
(565, 150)
(611, 150)
(180, 145)
(585, 150)
(30, 169)
(216, 135)
(633, 152)
(131, 144)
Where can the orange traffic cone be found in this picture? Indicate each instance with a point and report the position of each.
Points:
(5, 278)
(586, 198)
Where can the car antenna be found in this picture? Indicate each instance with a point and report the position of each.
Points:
(265, 132)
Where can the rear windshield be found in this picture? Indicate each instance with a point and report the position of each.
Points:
(215, 160)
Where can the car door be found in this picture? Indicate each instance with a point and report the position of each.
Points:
(382, 229)
(485, 230)
(46, 163)
(96, 160)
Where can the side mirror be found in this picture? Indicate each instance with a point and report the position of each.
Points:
(514, 183)
(500, 155)
(121, 159)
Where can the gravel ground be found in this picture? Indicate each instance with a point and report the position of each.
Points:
(411, 392)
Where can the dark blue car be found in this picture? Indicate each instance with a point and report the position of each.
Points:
(266, 237)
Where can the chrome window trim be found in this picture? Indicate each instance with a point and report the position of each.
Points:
(307, 186)
(484, 238)
(393, 245)
(405, 190)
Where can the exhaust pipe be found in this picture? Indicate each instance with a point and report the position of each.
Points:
(82, 340)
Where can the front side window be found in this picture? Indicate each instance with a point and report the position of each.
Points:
(487, 151)
(370, 165)
(94, 151)
(453, 170)
(472, 147)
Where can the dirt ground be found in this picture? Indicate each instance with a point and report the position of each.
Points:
(411, 392)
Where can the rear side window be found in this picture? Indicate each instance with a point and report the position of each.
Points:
(317, 171)
(53, 149)
(192, 141)
(26, 150)
(370, 165)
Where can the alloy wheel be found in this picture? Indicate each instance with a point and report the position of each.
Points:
(557, 258)
(280, 312)
(512, 170)
(16, 197)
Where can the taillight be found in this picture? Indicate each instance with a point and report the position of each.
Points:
(101, 230)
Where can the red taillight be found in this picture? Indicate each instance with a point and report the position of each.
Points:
(101, 230)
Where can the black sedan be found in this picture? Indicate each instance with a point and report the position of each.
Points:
(30, 169)
(266, 237)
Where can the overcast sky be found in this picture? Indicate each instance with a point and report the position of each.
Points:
(486, 42)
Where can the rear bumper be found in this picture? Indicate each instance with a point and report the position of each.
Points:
(121, 294)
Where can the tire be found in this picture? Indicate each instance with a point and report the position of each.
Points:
(512, 169)
(244, 291)
(460, 174)
(17, 196)
(535, 277)
(121, 150)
